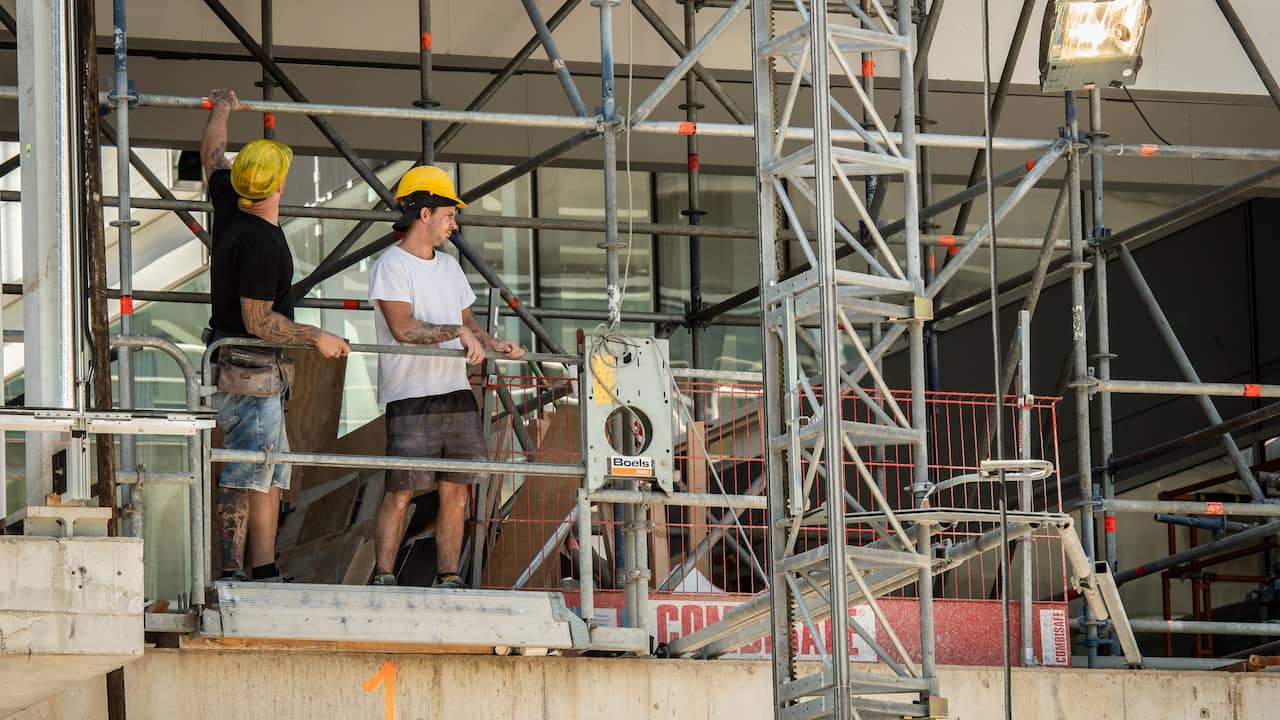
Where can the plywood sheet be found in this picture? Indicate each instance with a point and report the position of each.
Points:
(313, 409)
(328, 514)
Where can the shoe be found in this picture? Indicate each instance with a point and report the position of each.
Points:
(388, 579)
(272, 579)
(235, 576)
(449, 581)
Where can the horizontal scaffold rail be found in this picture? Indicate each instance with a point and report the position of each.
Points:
(520, 222)
(382, 462)
(730, 130)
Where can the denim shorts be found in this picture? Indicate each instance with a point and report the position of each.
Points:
(252, 423)
(442, 426)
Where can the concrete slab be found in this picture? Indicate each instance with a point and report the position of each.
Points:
(285, 685)
(70, 609)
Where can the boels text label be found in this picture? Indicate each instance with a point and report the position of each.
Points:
(631, 466)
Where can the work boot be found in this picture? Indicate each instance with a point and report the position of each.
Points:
(387, 579)
(449, 581)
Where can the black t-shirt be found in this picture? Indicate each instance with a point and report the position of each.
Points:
(251, 259)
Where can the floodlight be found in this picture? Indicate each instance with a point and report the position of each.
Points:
(1088, 42)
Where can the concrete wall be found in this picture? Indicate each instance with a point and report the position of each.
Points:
(70, 609)
(305, 685)
(1209, 96)
(1189, 47)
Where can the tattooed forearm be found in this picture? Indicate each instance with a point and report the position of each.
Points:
(233, 526)
(213, 142)
(427, 334)
(488, 341)
(216, 159)
(262, 321)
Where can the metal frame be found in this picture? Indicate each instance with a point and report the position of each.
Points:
(817, 290)
(800, 427)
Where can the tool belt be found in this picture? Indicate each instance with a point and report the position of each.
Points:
(251, 371)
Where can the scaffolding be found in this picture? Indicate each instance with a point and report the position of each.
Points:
(809, 314)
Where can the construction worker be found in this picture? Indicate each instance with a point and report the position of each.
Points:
(421, 296)
(251, 269)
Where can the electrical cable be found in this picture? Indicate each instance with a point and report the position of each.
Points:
(1002, 498)
(1143, 115)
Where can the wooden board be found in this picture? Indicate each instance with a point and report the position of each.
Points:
(291, 525)
(361, 567)
(330, 513)
(695, 482)
(316, 401)
(368, 439)
(327, 559)
(542, 498)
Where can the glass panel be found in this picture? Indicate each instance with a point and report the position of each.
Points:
(571, 267)
(729, 265)
(508, 251)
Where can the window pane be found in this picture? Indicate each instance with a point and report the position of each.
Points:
(571, 267)
(729, 265)
(508, 251)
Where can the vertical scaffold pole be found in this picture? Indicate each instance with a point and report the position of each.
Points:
(1102, 323)
(1024, 499)
(915, 338)
(124, 227)
(267, 83)
(830, 356)
(771, 403)
(694, 212)
(1080, 357)
(609, 126)
(424, 74)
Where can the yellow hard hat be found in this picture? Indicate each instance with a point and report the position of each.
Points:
(259, 168)
(424, 186)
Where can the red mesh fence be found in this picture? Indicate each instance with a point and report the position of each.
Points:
(715, 550)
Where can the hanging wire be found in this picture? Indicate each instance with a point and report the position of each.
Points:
(995, 358)
(1143, 115)
(626, 160)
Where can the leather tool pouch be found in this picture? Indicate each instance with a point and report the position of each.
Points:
(255, 372)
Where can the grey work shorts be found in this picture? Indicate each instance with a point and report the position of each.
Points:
(439, 426)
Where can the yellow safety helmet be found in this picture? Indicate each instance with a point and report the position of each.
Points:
(259, 168)
(424, 186)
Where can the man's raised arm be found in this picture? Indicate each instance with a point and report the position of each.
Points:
(213, 144)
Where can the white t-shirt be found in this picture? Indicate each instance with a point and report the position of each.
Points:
(438, 291)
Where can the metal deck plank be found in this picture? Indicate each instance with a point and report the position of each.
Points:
(352, 613)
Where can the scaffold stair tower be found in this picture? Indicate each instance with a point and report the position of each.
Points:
(814, 322)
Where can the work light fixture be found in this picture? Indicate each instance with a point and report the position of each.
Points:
(1084, 42)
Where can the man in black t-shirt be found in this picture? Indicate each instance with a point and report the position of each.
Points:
(251, 270)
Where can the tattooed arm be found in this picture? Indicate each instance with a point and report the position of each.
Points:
(260, 320)
(490, 342)
(213, 144)
(404, 328)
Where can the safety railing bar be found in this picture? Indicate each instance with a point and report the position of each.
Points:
(388, 350)
(678, 499)
(382, 462)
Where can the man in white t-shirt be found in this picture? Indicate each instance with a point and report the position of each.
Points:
(421, 296)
